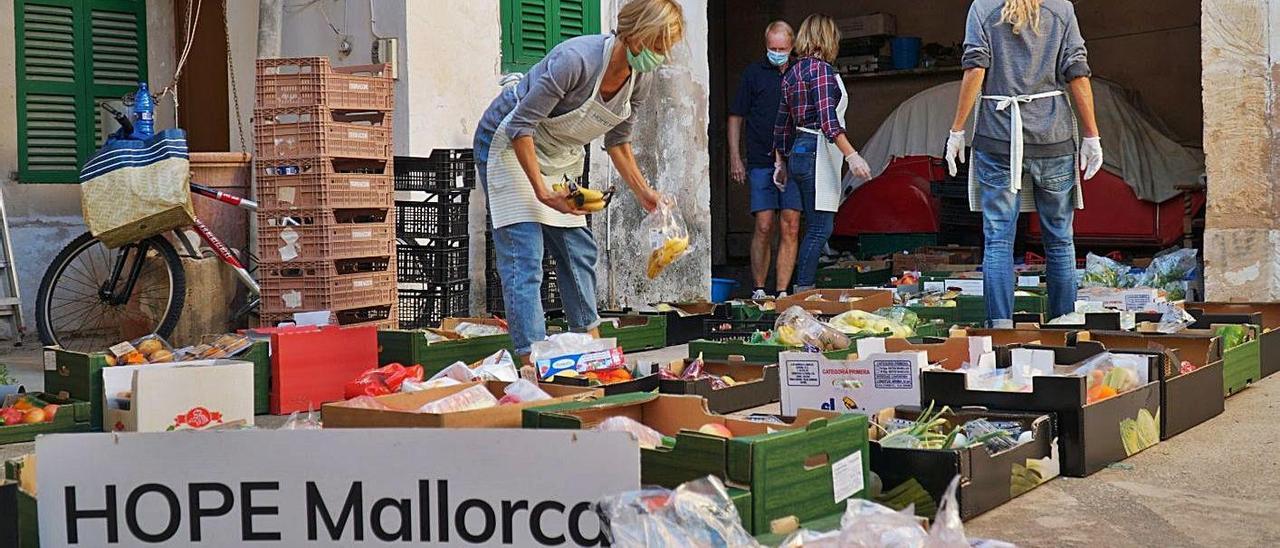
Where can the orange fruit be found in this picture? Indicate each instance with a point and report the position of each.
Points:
(34, 416)
(150, 346)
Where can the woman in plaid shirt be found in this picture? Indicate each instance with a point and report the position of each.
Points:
(809, 139)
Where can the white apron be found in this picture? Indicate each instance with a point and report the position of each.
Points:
(1017, 148)
(827, 184)
(558, 141)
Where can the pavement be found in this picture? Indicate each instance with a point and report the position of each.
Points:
(1215, 485)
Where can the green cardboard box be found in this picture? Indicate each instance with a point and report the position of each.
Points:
(412, 348)
(635, 333)
(860, 274)
(792, 470)
(72, 416)
(28, 525)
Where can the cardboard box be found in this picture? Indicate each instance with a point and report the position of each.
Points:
(71, 416)
(634, 332)
(855, 385)
(643, 383)
(833, 302)
(986, 480)
(1185, 400)
(342, 415)
(856, 274)
(806, 469)
(178, 396)
(760, 354)
(310, 365)
(1270, 322)
(684, 322)
(77, 376)
(1241, 365)
(1140, 299)
(950, 353)
(1024, 335)
(1089, 434)
(757, 385)
(876, 24)
(412, 348)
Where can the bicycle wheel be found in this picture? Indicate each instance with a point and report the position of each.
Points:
(93, 297)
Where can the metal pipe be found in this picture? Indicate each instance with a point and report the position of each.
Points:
(270, 22)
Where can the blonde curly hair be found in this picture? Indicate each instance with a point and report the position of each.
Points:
(1021, 14)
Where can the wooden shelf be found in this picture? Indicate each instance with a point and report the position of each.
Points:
(917, 72)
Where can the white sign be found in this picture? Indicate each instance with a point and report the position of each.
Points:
(846, 476)
(1028, 281)
(966, 286)
(331, 487)
(864, 385)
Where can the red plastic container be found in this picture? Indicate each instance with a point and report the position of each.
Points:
(899, 201)
(309, 366)
(1113, 215)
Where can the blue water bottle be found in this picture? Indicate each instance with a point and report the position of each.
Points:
(144, 113)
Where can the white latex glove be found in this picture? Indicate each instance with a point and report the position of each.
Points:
(955, 151)
(780, 174)
(857, 166)
(1091, 156)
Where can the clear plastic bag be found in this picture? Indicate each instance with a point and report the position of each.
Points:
(470, 330)
(475, 397)
(1112, 374)
(797, 327)
(297, 421)
(1105, 272)
(564, 344)
(522, 391)
(649, 438)
(410, 385)
(668, 236)
(1171, 267)
(1174, 319)
(857, 322)
(697, 513)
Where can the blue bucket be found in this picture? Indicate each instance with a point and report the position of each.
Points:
(722, 289)
(906, 52)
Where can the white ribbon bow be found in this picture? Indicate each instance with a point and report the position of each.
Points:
(1016, 142)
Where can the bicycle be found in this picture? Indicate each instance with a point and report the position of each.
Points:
(92, 297)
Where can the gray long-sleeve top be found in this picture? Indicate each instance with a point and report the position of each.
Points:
(563, 81)
(1025, 64)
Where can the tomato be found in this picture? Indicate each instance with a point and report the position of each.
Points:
(50, 411)
(34, 416)
(10, 416)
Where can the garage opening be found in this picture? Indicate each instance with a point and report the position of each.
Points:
(1147, 76)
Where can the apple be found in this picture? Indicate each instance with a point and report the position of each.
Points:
(716, 429)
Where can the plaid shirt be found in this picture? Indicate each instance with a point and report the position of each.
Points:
(809, 97)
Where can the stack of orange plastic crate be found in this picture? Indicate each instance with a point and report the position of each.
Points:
(326, 221)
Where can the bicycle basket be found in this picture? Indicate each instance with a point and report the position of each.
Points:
(132, 190)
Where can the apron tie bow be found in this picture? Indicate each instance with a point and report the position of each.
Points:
(1013, 103)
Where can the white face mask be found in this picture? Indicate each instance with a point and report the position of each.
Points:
(778, 58)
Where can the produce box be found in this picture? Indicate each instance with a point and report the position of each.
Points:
(645, 383)
(19, 478)
(8, 513)
(71, 416)
(1024, 335)
(805, 469)
(755, 385)
(863, 383)
(1270, 337)
(411, 348)
(1241, 365)
(1089, 434)
(948, 314)
(987, 479)
(833, 302)
(1185, 399)
(310, 365)
(751, 310)
(77, 376)
(950, 353)
(344, 415)
(875, 245)
(177, 396)
(858, 274)
(760, 354)
(684, 321)
(973, 308)
(259, 354)
(634, 332)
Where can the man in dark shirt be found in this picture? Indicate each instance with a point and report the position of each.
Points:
(756, 104)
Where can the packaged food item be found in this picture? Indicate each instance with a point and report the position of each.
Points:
(522, 391)
(381, 381)
(648, 437)
(1111, 374)
(475, 397)
(470, 330)
(796, 327)
(858, 322)
(697, 513)
(668, 236)
(141, 351)
(575, 353)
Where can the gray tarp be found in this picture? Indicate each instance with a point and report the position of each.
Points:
(1135, 148)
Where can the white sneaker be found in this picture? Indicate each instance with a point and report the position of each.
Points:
(782, 295)
(759, 295)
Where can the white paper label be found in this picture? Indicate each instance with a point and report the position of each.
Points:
(1135, 301)
(869, 346)
(358, 86)
(357, 284)
(361, 234)
(968, 287)
(353, 134)
(290, 236)
(803, 373)
(286, 194)
(288, 252)
(121, 349)
(846, 476)
(360, 183)
(292, 299)
(1028, 281)
(933, 287)
(50, 360)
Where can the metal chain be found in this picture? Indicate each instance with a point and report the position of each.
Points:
(231, 71)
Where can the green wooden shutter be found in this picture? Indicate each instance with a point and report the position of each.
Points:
(69, 54)
(530, 28)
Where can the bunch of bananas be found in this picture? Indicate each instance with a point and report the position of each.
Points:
(671, 250)
(586, 199)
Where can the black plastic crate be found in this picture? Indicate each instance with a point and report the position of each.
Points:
(423, 264)
(432, 214)
(455, 242)
(551, 301)
(445, 169)
(491, 255)
(733, 330)
(427, 304)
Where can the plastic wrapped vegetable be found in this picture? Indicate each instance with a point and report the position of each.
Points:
(1232, 336)
(857, 322)
(1170, 267)
(902, 315)
(1105, 272)
(649, 438)
(1112, 374)
(1174, 319)
(381, 381)
(797, 327)
(668, 236)
(475, 397)
(698, 513)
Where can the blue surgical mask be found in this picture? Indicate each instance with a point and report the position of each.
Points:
(778, 58)
(644, 61)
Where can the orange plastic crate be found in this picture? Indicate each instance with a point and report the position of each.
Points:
(336, 191)
(301, 236)
(311, 81)
(380, 316)
(299, 287)
(318, 131)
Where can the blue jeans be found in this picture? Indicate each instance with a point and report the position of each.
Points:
(1053, 180)
(765, 195)
(519, 250)
(818, 225)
